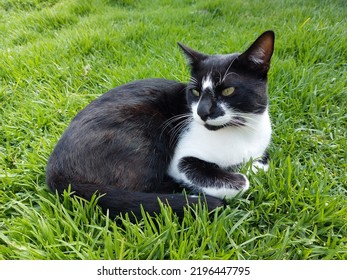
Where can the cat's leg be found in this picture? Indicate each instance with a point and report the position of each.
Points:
(262, 163)
(209, 178)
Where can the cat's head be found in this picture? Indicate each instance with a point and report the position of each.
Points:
(225, 90)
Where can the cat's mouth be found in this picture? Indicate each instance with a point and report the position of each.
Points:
(212, 127)
(236, 121)
(223, 120)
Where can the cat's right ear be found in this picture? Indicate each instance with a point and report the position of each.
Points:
(194, 57)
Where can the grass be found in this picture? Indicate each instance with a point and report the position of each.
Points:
(58, 55)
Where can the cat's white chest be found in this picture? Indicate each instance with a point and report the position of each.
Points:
(225, 147)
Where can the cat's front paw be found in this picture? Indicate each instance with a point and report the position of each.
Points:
(258, 165)
(261, 163)
(238, 186)
(230, 189)
(244, 183)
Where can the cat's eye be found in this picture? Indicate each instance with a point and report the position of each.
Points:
(195, 92)
(228, 91)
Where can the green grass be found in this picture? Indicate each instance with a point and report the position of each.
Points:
(58, 55)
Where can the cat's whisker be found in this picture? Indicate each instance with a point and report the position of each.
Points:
(249, 116)
(193, 82)
(177, 125)
(236, 119)
(240, 115)
(249, 126)
(170, 121)
(171, 129)
(229, 74)
(248, 120)
(226, 72)
(173, 119)
(220, 81)
(178, 128)
(174, 135)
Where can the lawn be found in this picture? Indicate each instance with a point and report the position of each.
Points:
(58, 55)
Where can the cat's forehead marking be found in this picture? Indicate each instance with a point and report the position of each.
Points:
(207, 82)
(216, 69)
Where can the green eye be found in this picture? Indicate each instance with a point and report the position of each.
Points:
(195, 92)
(228, 91)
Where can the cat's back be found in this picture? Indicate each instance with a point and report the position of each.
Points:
(117, 131)
(131, 103)
(141, 91)
(151, 86)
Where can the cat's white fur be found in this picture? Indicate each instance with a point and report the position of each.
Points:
(225, 147)
(225, 192)
(207, 83)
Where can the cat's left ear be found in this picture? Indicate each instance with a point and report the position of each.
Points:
(258, 55)
(194, 57)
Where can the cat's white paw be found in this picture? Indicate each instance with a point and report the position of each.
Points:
(227, 191)
(246, 187)
(257, 165)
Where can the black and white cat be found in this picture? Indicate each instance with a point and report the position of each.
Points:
(142, 141)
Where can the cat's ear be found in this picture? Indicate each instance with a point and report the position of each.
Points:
(258, 55)
(194, 57)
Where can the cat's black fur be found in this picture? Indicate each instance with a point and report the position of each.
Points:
(117, 146)
(121, 144)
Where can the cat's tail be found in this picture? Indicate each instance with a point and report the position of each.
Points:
(118, 201)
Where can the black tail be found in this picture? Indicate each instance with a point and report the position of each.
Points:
(118, 201)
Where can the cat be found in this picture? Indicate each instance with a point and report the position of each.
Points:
(146, 140)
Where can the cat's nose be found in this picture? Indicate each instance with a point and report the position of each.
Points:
(205, 106)
(204, 110)
(203, 113)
